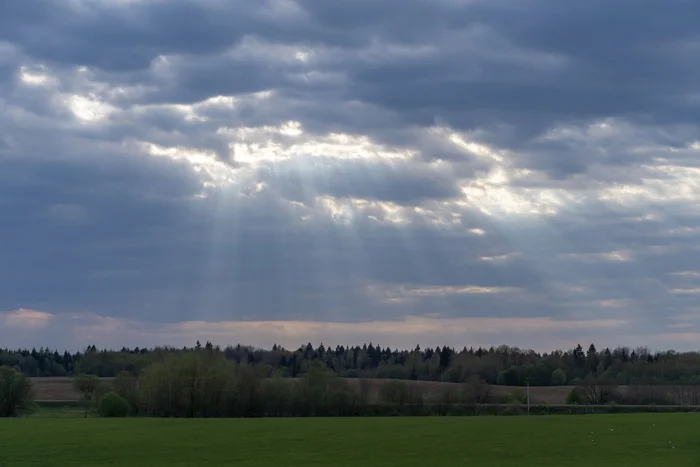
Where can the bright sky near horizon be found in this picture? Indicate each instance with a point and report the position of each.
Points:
(460, 172)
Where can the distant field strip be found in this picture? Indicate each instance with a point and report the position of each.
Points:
(61, 389)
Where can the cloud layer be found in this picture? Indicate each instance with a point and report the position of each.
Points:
(400, 171)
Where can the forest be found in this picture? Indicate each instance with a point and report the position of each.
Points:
(501, 365)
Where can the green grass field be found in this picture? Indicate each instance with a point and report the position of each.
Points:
(60, 412)
(638, 440)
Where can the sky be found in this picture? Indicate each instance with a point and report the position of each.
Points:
(433, 172)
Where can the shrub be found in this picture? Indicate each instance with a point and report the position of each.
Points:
(394, 392)
(574, 397)
(558, 378)
(513, 376)
(113, 405)
(514, 408)
(15, 393)
(597, 392)
(516, 395)
(126, 386)
(476, 391)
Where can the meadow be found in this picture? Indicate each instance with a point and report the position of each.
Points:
(638, 440)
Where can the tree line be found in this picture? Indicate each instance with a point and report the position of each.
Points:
(206, 382)
(501, 365)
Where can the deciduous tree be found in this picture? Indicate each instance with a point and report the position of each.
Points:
(15, 393)
(86, 385)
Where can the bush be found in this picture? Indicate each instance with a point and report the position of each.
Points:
(514, 408)
(113, 405)
(513, 376)
(16, 395)
(127, 387)
(394, 392)
(516, 395)
(558, 378)
(574, 397)
(476, 391)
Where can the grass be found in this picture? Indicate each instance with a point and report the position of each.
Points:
(639, 440)
(60, 411)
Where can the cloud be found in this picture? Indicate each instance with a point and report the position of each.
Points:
(26, 319)
(77, 331)
(214, 162)
(69, 214)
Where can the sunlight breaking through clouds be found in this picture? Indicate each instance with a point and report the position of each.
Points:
(88, 109)
(216, 171)
(622, 256)
(35, 77)
(495, 197)
(346, 210)
(403, 293)
(660, 183)
(471, 147)
(293, 163)
(273, 144)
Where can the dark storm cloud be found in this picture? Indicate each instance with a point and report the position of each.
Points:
(122, 35)
(161, 259)
(487, 63)
(49, 261)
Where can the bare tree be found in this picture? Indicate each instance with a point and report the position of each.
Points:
(596, 392)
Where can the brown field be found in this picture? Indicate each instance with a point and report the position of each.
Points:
(431, 390)
(56, 389)
(61, 389)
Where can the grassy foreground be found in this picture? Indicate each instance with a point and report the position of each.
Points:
(638, 440)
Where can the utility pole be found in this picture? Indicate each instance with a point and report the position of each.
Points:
(528, 396)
